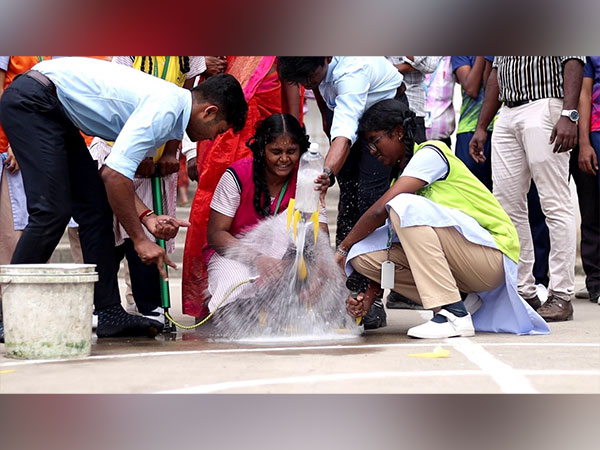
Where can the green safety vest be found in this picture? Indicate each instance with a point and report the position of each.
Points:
(463, 191)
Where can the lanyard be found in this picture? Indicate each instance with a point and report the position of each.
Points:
(389, 242)
(281, 194)
(165, 68)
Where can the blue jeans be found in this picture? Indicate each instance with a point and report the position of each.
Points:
(588, 193)
(483, 171)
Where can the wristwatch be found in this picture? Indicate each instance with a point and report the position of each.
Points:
(572, 114)
(331, 176)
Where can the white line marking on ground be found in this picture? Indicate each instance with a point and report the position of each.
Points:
(241, 384)
(429, 344)
(508, 379)
(207, 388)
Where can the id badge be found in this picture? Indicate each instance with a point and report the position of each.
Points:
(428, 119)
(387, 275)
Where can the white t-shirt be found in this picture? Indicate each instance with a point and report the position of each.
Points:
(428, 164)
(138, 111)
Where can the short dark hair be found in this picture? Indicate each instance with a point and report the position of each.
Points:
(296, 69)
(224, 91)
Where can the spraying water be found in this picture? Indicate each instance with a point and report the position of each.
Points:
(281, 306)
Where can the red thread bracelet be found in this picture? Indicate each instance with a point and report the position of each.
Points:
(146, 214)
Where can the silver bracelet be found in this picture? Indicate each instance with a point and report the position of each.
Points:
(341, 252)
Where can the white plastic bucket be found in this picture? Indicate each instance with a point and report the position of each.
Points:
(47, 310)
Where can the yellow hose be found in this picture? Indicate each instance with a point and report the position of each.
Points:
(225, 297)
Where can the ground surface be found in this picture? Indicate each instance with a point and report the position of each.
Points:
(566, 361)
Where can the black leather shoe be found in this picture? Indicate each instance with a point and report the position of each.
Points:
(399, 301)
(115, 322)
(375, 317)
(534, 302)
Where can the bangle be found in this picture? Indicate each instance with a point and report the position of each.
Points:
(145, 214)
(341, 251)
(331, 176)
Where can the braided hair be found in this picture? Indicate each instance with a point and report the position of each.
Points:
(387, 115)
(184, 64)
(267, 131)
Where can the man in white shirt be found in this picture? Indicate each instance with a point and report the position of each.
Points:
(43, 112)
(345, 87)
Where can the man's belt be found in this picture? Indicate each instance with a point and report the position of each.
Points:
(42, 79)
(401, 89)
(516, 104)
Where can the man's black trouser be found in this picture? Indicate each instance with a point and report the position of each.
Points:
(363, 180)
(61, 180)
(145, 278)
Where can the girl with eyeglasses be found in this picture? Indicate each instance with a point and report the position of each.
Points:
(444, 232)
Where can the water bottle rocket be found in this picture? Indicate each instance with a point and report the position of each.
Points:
(305, 206)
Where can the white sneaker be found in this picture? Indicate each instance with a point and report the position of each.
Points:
(158, 315)
(453, 327)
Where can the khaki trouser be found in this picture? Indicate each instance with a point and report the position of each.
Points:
(520, 152)
(8, 235)
(434, 264)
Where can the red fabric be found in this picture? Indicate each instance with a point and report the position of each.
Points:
(183, 180)
(246, 216)
(213, 159)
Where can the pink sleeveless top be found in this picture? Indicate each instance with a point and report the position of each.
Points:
(246, 216)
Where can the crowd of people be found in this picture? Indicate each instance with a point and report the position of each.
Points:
(433, 222)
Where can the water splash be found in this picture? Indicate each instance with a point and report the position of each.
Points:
(282, 306)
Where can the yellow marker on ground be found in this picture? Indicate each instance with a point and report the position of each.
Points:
(438, 352)
(3, 372)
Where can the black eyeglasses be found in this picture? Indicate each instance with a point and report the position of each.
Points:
(372, 146)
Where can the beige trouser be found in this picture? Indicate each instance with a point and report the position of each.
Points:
(433, 264)
(520, 152)
(8, 235)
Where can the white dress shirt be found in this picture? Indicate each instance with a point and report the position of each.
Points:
(352, 85)
(136, 110)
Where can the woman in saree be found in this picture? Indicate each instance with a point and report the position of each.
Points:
(266, 95)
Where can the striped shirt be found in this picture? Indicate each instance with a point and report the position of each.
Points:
(522, 78)
(415, 91)
(197, 64)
